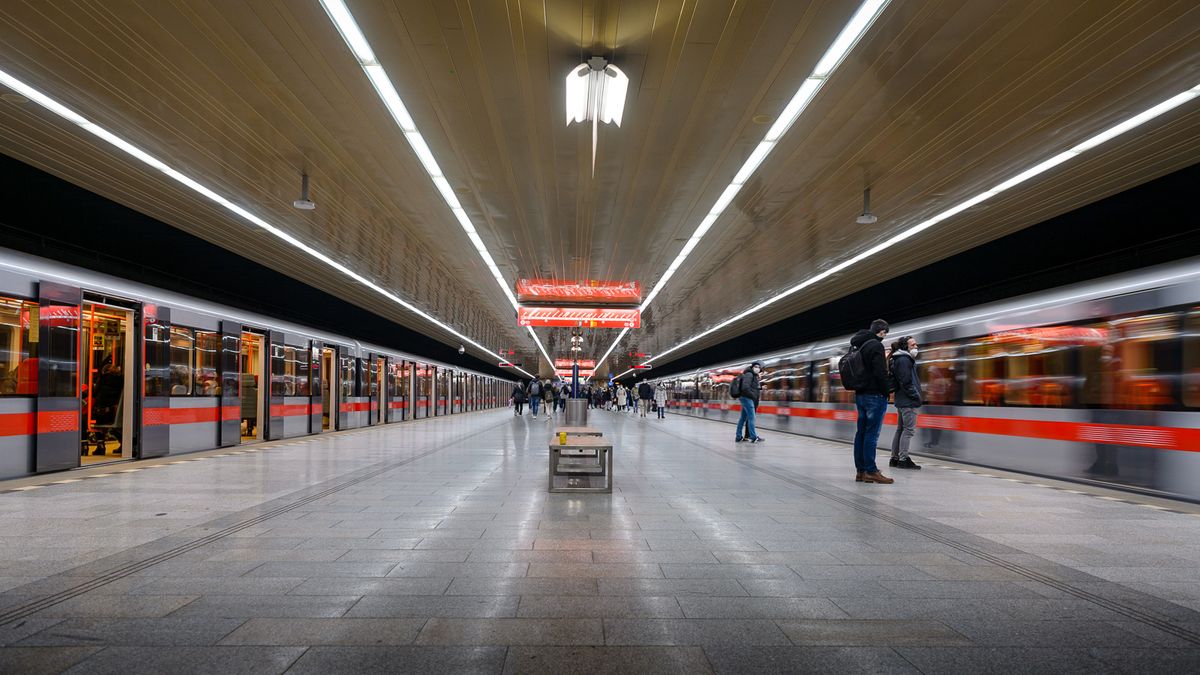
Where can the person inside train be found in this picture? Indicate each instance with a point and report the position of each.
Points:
(870, 397)
(907, 386)
(745, 388)
(518, 399)
(8, 381)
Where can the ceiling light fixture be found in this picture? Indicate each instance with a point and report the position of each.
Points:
(849, 36)
(75, 118)
(344, 21)
(304, 203)
(596, 91)
(1042, 167)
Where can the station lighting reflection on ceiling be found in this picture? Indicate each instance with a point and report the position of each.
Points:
(134, 151)
(344, 21)
(849, 36)
(596, 91)
(1071, 153)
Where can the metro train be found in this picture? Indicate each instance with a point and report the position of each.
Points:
(94, 368)
(1094, 382)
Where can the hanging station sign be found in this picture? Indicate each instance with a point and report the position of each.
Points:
(583, 374)
(579, 317)
(584, 364)
(608, 293)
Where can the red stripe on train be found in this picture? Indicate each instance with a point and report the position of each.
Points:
(25, 424)
(354, 407)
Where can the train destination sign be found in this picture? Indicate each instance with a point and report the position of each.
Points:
(591, 292)
(579, 317)
(588, 364)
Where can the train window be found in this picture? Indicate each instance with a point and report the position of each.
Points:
(821, 390)
(183, 347)
(18, 347)
(297, 366)
(1137, 365)
(207, 351)
(1040, 370)
(1191, 359)
(985, 372)
(938, 370)
(348, 376)
(773, 384)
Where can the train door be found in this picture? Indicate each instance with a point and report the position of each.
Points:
(252, 394)
(58, 410)
(329, 389)
(316, 391)
(106, 389)
(378, 372)
(230, 433)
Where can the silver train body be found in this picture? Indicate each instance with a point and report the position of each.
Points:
(1095, 382)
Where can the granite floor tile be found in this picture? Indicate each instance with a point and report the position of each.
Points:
(651, 557)
(457, 606)
(166, 631)
(216, 586)
(341, 631)
(522, 631)
(685, 571)
(1003, 660)
(597, 660)
(693, 632)
(1148, 660)
(759, 608)
(266, 606)
(772, 660)
(219, 660)
(318, 569)
(550, 606)
(528, 556)
(523, 586)
(595, 571)
(486, 570)
(405, 556)
(677, 587)
(417, 659)
(356, 586)
(851, 633)
(92, 605)
(1066, 634)
(42, 660)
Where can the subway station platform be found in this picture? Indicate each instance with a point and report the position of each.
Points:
(434, 546)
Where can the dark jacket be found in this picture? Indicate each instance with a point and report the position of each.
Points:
(872, 353)
(750, 384)
(645, 391)
(518, 394)
(908, 384)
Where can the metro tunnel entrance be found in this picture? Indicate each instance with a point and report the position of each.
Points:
(106, 388)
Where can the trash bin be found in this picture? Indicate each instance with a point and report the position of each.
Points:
(576, 412)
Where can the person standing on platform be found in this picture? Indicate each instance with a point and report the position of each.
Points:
(908, 398)
(557, 393)
(645, 396)
(745, 389)
(870, 397)
(535, 396)
(619, 397)
(548, 398)
(518, 399)
(660, 401)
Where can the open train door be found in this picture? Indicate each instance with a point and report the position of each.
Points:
(58, 411)
(316, 405)
(230, 428)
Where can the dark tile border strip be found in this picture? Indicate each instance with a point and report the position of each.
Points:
(28, 609)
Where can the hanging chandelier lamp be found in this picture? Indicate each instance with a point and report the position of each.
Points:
(596, 91)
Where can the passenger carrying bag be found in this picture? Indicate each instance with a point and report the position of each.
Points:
(853, 370)
(735, 387)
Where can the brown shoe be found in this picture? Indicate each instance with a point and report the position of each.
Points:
(877, 477)
(858, 477)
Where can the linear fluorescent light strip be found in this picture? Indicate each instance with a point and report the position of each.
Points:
(1100, 138)
(66, 113)
(849, 36)
(344, 21)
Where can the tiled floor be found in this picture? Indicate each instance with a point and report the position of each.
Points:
(434, 547)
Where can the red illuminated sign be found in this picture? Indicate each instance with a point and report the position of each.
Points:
(581, 317)
(589, 364)
(574, 293)
(642, 366)
(583, 374)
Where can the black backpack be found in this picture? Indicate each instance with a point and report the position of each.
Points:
(535, 389)
(735, 387)
(853, 370)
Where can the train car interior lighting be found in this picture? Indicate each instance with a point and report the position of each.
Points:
(1037, 169)
(358, 44)
(132, 150)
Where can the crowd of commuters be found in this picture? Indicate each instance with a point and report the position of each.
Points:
(551, 397)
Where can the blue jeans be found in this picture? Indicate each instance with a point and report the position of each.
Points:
(747, 418)
(871, 408)
(536, 401)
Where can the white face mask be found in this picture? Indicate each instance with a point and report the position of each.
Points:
(913, 351)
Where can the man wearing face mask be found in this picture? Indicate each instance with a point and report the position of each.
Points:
(746, 388)
(908, 399)
(870, 397)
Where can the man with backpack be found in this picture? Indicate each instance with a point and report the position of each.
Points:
(535, 396)
(645, 396)
(745, 389)
(864, 369)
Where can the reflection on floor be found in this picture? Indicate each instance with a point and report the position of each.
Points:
(434, 547)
